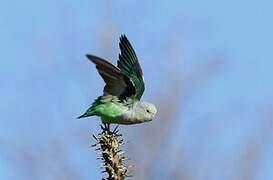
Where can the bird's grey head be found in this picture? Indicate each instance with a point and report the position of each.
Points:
(146, 111)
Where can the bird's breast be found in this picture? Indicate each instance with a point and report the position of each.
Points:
(128, 118)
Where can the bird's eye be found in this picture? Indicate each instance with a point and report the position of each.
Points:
(147, 110)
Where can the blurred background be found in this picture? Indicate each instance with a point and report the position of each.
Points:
(207, 66)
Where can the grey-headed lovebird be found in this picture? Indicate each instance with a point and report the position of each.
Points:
(124, 86)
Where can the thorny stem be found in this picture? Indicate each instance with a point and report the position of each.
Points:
(108, 144)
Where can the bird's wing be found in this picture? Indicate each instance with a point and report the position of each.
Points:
(129, 65)
(117, 84)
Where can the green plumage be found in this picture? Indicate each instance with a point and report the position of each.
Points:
(107, 108)
(124, 86)
(129, 65)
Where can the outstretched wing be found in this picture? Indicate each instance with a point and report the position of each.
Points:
(129, 65)
(117, 84)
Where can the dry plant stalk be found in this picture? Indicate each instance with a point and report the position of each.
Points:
(108, 144)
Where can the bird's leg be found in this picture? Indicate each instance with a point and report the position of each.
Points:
(108, 127)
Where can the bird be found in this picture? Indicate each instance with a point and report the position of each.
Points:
(124, 86)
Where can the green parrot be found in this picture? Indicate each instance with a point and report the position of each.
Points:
(120, 102)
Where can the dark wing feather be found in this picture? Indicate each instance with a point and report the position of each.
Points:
(129, 65)
(117, 84)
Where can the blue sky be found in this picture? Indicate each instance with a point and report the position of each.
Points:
(47, 81)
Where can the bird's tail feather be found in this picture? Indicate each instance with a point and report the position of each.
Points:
(88, 113)
(82, 116)
(91, 111)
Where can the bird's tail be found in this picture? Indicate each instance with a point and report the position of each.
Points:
(91, 111)
(83, 116)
